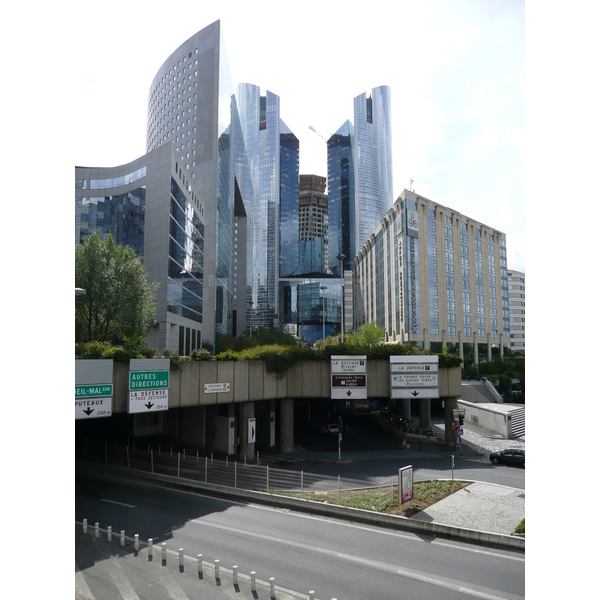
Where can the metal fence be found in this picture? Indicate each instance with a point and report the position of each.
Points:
(208, 469)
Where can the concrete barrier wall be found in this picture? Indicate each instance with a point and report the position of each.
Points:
(249, 381)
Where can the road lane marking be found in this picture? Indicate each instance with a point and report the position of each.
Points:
(82, 590)
(472, 590)
(121, 581)
(118, 503)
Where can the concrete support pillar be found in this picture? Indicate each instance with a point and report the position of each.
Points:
(246, 449)
(425, 413)
(287, 425)
(405, 407)
(450, 403)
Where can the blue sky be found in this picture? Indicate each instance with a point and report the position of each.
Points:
(456, 71)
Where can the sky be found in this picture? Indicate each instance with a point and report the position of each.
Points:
(456, 72)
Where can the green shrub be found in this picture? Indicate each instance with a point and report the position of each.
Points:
(520, 527)
(201, 354)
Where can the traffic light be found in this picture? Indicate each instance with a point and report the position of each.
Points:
(461, 419)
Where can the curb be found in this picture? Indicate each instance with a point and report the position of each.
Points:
(343, 512)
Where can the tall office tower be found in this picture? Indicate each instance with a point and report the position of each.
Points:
(431, 276)
(516, 305)
(191, 104)
(152, 205)
(372, 161)
(313, 224)
(341, 198)
(273, 158)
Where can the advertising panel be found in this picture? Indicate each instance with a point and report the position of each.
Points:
(405, 477)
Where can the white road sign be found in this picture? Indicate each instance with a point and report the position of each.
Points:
(251, 431)
(215, 388)
(419, 393)
(349, 364)
(414, 380)
(144, 401)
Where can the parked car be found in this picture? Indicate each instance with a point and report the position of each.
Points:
(510, 456)
(331, 428)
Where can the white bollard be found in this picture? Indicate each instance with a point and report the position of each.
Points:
(217, 571)
(178, 461)
(311, 595)
(244, 460)
(85, 526)
(235, 475)
(267, 479)
(205, 469)
(150, 549)
(122, 537)
(181, 559)
(235, 575)
(97, 530)
(301, 485)
(109, 533)
(199, 564)
(164, 552)
(257, 457)
(252, 581)
(272, 581)
(136, 542)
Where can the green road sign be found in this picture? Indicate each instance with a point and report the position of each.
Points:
(93, 391)
(148, 380)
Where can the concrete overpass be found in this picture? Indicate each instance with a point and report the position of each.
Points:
(201, 417)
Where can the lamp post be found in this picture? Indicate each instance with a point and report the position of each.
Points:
(323, 288)
(342, 257)
(251, 303)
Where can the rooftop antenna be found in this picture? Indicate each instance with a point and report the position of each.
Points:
(411, 185)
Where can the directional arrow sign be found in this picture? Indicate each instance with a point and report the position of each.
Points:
(251, 431)
(90, 408)
(421, 393)
(148, 400)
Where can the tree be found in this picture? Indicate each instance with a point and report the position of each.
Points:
(370, 335)
(119, 302)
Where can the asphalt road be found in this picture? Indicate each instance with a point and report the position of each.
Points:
(336, 559)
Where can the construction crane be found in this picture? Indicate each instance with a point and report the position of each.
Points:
(315, 131)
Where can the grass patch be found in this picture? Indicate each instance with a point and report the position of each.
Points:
(424, 494)
(520, 527)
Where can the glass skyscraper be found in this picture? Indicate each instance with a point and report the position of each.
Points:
(341, 197)
(359, 171)
(273, 158)
(372, 161)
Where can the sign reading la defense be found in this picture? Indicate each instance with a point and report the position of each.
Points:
(349, 377)
(93, 388)
(148, 385)
(414, 376)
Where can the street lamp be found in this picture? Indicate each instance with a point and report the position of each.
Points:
(251, 303)
(323, 288)
(80, 292)
(342, 257)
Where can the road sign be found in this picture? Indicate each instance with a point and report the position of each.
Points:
(349, 364)
(348, 380)
(215, 388)
(251, 431)
(458, 432)
(419, 393)
(414, 380)
(348, 377)
(414, 376)
(93, 388)
(148, 385)
(148, 380)
(414, 364)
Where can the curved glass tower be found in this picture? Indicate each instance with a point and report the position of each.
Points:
(273, 159)
(372, 161)
(191, 104)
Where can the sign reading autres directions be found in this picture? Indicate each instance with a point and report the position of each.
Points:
(148, 387)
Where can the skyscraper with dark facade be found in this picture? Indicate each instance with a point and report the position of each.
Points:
(359, 170)
(273, 159)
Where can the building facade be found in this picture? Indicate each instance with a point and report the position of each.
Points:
(153, 206)
(373, 178)
(313, 221)
(273, 157)
(191, 104)
(516, 303)
(341, 198)
(431, 276)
